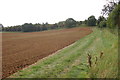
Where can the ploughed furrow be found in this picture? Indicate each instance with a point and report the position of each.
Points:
(23, 49)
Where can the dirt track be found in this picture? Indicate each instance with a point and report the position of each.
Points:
(23, 49)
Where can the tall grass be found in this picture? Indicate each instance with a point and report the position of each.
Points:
(107, 65)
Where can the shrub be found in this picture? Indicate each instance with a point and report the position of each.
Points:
(102, 24)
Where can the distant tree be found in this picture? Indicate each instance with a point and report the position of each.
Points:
(80, 22)
(70, 22)
(37, 27)
(19, 28)
(101, 18)
(61, 24)
(85, 22)
(44, 27)
(91, 21)
(56, 25)
(28, 27)
(47, 25)
(1, 27)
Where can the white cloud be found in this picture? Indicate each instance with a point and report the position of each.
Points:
(15, 12)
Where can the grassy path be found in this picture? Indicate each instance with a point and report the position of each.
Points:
(71, 62)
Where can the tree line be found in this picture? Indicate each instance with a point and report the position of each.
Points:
(111, 9)
(29, 27)
(68, 23)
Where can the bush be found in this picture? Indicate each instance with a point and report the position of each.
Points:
(102, 24)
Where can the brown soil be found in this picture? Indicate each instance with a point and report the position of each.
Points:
(23, 49)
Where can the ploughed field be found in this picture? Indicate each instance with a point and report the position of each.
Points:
(22, 49)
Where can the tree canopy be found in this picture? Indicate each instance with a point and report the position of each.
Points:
(29, 27)
(70, 22)
(108, 8)
(112, 10)
(114, 18)
(91, 21)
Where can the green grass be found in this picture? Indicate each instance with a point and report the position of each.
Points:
(71, 62)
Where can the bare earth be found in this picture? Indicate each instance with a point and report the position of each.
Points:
(23, 49)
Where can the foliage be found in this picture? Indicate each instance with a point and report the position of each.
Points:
(85, 22)
(114, 17)
(29, 27)
(101, 18)
(108, 8)
(112, 9)
(1, 27)
(13, 28)
(61, 24)
(70, 22)
(91, 21)
(102, 24)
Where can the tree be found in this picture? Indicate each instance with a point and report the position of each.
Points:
(44, 27)
(108, 8)
(101, 19)
(1, 27)
(112, 10)
(78, 23)
(91, 21)
(85, 22)
(61, 24)
(28, 27)
(37, 27)
(114, 18)
(54, 26)
(70, 22)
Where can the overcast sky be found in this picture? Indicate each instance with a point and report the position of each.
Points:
(17, 12)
